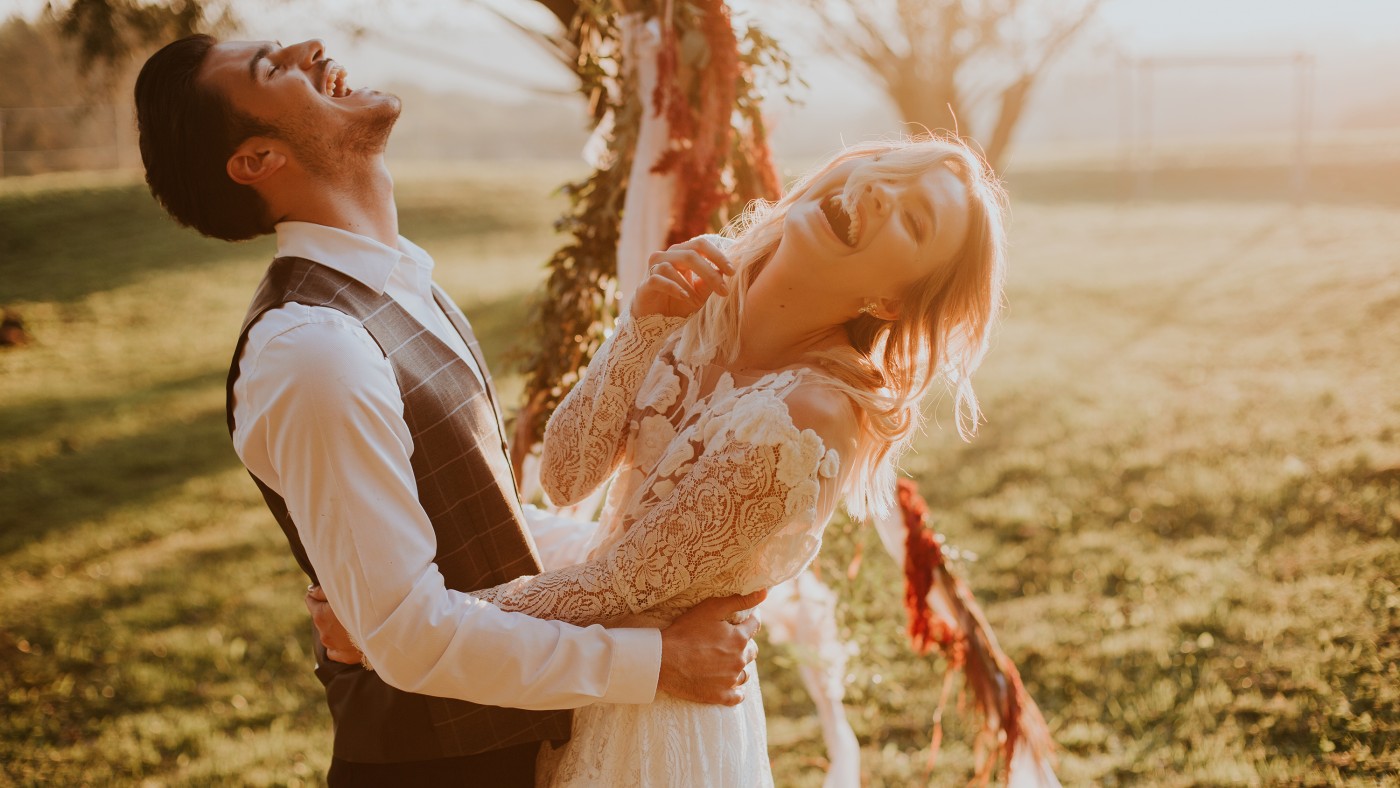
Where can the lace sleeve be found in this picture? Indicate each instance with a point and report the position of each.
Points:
(750, 480)
(585, 437)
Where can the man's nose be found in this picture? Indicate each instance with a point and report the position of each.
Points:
(307, 53)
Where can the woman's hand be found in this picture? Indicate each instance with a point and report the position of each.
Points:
(681, 278)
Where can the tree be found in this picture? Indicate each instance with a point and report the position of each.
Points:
(954, 64)
(109, 32)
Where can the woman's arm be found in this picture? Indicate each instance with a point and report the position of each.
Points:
(584, 439)
(762, 473)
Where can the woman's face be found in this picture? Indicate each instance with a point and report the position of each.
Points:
(899, 229)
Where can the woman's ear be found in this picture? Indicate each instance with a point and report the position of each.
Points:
(254, 161)
(885, 309)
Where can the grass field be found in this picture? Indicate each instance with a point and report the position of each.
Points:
(1185, 500)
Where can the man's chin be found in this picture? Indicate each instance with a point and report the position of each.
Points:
(369, 97)
(383, 113)
(371, 129)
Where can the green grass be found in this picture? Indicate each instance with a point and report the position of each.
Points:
(1185, 499)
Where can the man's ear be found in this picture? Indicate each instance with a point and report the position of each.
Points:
(254, 161)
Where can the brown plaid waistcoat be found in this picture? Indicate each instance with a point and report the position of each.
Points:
(467, 488)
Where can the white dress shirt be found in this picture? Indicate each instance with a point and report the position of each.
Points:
(319, 419)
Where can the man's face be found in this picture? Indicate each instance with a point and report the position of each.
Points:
(306, 98)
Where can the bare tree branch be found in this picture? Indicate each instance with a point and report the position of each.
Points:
(945, 63)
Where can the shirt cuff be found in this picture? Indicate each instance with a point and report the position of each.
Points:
(636, 668)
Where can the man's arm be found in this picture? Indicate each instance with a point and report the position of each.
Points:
(702, 654)
(323, 425)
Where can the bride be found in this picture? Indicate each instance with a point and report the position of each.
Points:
(741, 398)
(747, 391)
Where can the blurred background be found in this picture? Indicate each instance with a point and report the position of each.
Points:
(1183, 503)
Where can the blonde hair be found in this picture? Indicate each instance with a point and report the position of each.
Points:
(944, 319)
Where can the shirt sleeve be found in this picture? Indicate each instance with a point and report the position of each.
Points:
(584, 439)
(323, 426)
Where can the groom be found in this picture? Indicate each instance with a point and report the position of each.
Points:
(359, 402)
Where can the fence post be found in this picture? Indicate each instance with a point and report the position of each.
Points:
(116, 139)
(1127, 135)
(1302, 76)
(1142, 134)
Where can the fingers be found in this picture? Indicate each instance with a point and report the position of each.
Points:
(748, 627)
(674, 285)
(726, 606)
(343, 656)
(333, 636)
(711, 252)
(670, 280)
(699, 258)
(753, 598)
(750, 654)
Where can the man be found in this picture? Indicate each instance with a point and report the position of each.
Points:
(359, 402)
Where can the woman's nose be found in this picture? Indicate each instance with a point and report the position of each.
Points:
(879, 198)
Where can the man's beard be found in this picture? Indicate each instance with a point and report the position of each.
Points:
(339, 159)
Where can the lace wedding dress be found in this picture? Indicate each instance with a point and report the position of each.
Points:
(723, 486)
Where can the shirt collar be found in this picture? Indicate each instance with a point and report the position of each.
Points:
(357, 256)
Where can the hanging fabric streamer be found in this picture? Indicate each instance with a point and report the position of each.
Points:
(943, 615)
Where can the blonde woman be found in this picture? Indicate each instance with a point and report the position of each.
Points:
(746, 392)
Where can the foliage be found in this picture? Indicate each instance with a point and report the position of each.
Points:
(1185, 500)
(708, 88)
(569, 316)
(40, 126)
(954, 64)
(110, 32)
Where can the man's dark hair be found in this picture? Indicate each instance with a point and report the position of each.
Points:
(187, 133)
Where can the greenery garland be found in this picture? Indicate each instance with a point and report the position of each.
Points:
(572, 315)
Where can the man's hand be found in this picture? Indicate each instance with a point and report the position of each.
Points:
(339, 646)
(705, 658)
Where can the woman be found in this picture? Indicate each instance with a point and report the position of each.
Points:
(742, 397)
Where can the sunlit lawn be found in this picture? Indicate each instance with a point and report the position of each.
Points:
(1184, 501)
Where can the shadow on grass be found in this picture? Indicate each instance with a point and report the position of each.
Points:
(87, 481)
(46, 497)
(172, 644)
(62, 246)
(1171, 303)
(1013, 410)
(33, 418)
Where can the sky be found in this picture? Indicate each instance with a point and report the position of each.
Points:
(461, 46)
(466, 28)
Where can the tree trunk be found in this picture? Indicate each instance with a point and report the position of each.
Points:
(932, 106)
(1013, 103)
